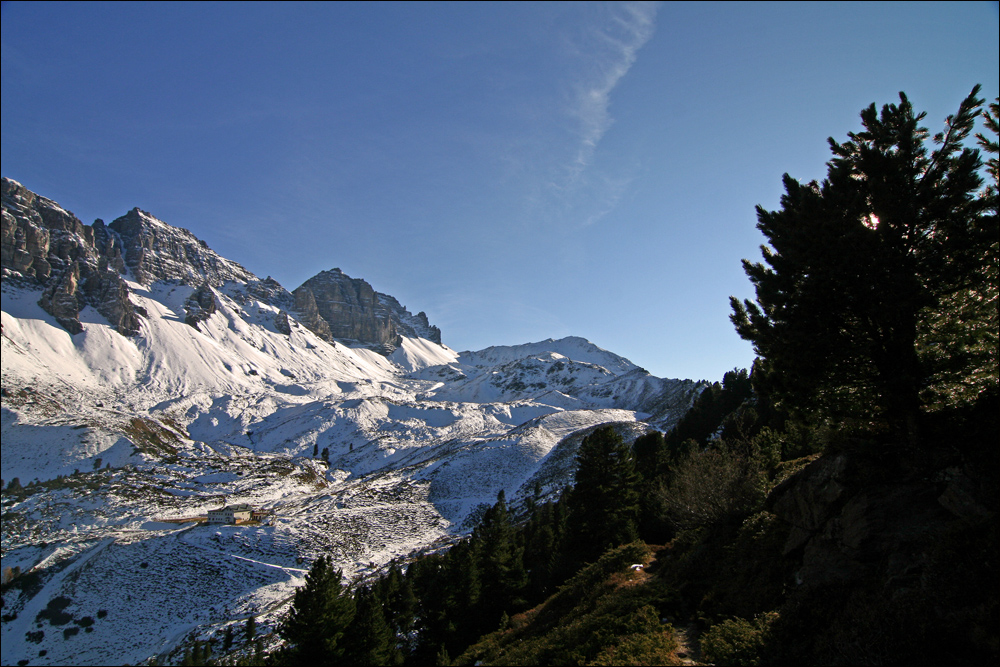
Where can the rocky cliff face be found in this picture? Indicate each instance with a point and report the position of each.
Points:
(79, 265)
(75, 264)
(848, 523)
(156, 251)
(334, 305)
(414, 326)
(200, 305)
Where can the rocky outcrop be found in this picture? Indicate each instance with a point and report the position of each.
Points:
(281, 323)
(76, 265)
(412, 326)
(61, 300)
(350, 308)
(308, 314)
(848, 524)
(270, 291)
(336, 306)
(156, 251)
(200, 305)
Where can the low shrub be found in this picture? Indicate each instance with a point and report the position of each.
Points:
(738, 641)
(55, 612)
(710, 487)
(652, 648)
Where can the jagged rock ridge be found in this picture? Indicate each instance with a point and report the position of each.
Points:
(79, 265)
(75, 264)
(157, 251)
(335, 306)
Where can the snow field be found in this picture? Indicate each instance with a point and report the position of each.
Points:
(231, 412)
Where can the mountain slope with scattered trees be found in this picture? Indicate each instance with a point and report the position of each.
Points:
(835, 506)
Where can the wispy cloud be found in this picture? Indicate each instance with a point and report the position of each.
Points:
(577, 190)
(613, 48)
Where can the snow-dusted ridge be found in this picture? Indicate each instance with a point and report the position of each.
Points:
(238, 404)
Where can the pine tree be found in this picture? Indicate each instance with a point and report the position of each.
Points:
(251, 628)
(856, 265)
(604, 502)
(442, 659)
(197, 657)
(369, 640)
(463, 588)
(399, 603)
(960, 338)
(541, 549)
(648, 450)
(501, 564)
(428, 579)
(320, 614)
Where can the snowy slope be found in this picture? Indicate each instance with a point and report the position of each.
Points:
(118, 434)
(419, 353)
(571, 347)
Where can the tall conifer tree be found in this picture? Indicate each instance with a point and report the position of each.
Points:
(857, 264)
(320, 614)
(399, 603)
(604, 502)
(501, 564)
(369, 640)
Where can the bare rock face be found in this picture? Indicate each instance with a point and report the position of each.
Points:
(156, 251)
(413, 326)
(848, 523)
(200, 305)
(349, 308)
(75, 264)
(308, 314)
(61, 300)
(335, 306)
(282, 324)
(270, 291)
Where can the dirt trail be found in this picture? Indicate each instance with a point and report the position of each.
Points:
(688, 649)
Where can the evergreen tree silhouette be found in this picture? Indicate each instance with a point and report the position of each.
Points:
(858, 265)
(604, 502)
(320, 614)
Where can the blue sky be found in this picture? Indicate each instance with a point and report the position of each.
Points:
(519, 171)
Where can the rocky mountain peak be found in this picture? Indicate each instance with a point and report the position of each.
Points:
(335, 306)
(155, 251)
(76, 265)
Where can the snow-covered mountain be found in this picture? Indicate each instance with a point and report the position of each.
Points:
(146, 379)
